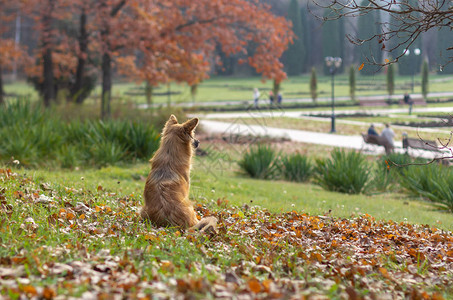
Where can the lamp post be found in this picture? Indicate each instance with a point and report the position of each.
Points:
(417, 52)
(333, 63)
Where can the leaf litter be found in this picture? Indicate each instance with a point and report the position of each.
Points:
(64, 242)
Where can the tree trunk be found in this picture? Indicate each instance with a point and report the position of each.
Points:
(107, 62)
(193, 91)
(149, 94)
(48, 88)
(106, 85)
(1, 86)
(276, 89)
(77, 89)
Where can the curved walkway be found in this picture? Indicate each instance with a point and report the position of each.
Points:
(244, 126)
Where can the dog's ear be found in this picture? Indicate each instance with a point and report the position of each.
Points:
(172, 120)
(190, 125)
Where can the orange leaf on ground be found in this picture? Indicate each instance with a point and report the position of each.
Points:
(29, 289)
(254, 286)
(48, 293)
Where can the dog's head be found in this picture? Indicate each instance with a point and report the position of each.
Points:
(184, 132)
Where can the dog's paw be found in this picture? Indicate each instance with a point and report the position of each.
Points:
(207, 225)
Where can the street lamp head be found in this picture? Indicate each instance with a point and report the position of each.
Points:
(329, 60)
(417, 51)
(406, 52)
(338, 61)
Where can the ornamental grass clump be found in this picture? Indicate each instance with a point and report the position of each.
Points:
(37, 137)
(344, 172)
(260, 162)
(432, 181)
(296, 167)
(388, 169)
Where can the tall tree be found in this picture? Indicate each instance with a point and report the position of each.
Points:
(313, 85)
(352, 83)
(111, 24)
(370, 53)
(410, 62)
(295, 55)
(425, 79)
(306, 36)
(82, 33)
(445, 50)
(176, 41)
(390, 80)
(405, 18)
(10, 53)
(444, 42)
(332, 41)
(52, 45)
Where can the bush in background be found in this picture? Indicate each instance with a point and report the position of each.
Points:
(260, 162)
(296, 167)
(345, 172)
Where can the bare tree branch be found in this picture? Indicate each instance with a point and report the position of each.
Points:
(406, 21)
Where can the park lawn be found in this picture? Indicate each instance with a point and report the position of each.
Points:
(214, 178)
(77, 234)
(240, 88)
(21, 88)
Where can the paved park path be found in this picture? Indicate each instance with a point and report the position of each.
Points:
(254, 123)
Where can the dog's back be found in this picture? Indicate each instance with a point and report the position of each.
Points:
(167, 186)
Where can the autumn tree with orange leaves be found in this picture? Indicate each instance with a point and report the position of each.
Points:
(53, 58)
(152, 41)
(61, 58)
(176, 40)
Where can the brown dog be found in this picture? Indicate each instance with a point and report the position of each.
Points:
(167, 186)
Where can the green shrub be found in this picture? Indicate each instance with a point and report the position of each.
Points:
(38, 137)
(22, 112)
(432, 181)
(260, 162)
(142, 140)
(107, 153)
(296, 167)
(70, 156)
(345, 172)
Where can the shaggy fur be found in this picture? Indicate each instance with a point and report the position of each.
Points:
(167, 186)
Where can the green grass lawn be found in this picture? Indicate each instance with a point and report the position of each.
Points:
(236, 88)
(212, 180)
(77, 234)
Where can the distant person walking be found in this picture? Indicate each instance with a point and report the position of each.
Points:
(388, 134)
(256, 96)
(408, 100)
(372, 131)
(279, 98)
(271, 98)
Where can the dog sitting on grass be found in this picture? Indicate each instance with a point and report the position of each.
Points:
(167, 186)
